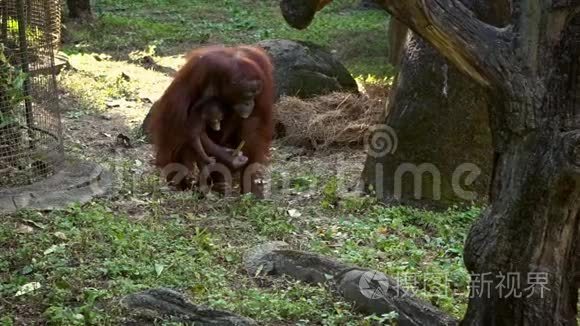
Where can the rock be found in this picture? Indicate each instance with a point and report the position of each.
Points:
(166, 304)
(305, 69)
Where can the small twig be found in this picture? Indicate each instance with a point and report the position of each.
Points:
(343, 101)
(239, 149)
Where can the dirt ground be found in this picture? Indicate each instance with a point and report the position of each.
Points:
(113, 138)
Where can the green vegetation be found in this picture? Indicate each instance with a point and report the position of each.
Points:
(174, 26)
(72, 267)
(12, 90)
(86, 258)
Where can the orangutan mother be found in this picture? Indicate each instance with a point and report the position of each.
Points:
(241, 79)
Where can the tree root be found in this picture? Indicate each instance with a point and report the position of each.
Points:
(169, 305)
(370, 291)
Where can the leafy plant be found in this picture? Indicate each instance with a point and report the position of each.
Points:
(330, 194)
(33, 33)
(375, 80)
(268, 220)
(6, 321)
(11, 90)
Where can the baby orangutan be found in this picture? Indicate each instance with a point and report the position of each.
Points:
(209, 111)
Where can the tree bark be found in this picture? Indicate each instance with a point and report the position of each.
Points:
(531, 231)
(441, 123)
(79, 9)
(431, 104)
(535, 192)
(397, 38)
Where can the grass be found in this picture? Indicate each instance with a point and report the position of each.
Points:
(72, 267)
(359, 37)
(88, 257)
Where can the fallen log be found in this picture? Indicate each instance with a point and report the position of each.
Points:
(169, 305)
(370, 291)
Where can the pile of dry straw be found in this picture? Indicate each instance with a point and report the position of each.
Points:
(337, 119)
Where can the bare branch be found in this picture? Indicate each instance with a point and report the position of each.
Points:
(478, 49)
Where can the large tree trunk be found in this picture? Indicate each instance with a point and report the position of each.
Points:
(79, 9)
(523, 252)
(397, 39)
(439, 117)
(533, 227)
(530, 234)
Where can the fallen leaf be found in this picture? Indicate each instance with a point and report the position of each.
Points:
(294, 213)
(124, 141)
(159, 269)
(24, 229)
(26, 270)
(52, 249)
(259, 270)
(113, 104)
(28, 288)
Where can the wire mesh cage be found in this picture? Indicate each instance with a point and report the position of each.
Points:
(30, 129)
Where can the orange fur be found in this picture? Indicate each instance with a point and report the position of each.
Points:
(217, 69)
